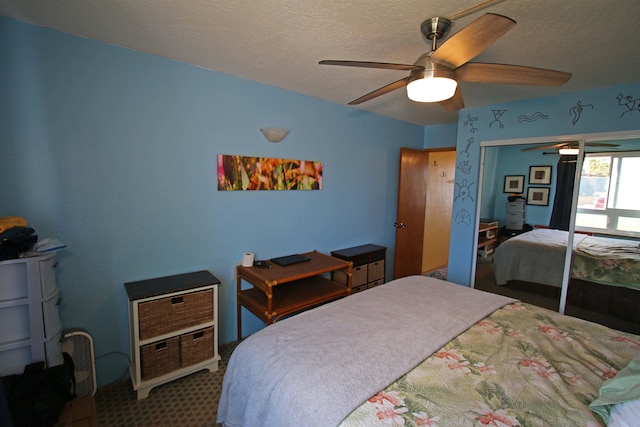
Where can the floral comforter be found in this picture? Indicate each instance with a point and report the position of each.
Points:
(607, 261)
(520, 366)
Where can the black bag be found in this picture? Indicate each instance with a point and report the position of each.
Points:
(37, 397)
(16, 240)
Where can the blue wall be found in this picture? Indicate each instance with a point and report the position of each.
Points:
(511, 160)
(114, 152)
(595, 111)
(440, 136)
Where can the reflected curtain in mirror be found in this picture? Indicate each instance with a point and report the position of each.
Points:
(561, 213)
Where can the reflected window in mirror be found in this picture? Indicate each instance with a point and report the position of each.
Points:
(608, 201)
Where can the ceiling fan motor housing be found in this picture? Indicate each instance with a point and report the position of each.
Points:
(437, 28)
(434, 29)
(430, 69)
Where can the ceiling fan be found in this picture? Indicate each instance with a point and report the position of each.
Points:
(444, 66)
(570, 147)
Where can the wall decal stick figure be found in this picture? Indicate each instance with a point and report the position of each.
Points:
(466, 149)
(463, 217)
(576, 111)
(464, 167)
(464, 190)
(469, 122)
(629, 102)
(497, 114)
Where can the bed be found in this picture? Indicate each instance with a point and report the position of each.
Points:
(423, 351)
(605, 274)
(538, 256)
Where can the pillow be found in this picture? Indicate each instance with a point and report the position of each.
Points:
(623, 388)
(625, 414)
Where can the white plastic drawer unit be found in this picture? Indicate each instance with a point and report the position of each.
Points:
(16, 325)
(48, 283)
(514, 216)
(50, 316)
(515, 207)
(515, 224)
(17, 274)
(29, 303)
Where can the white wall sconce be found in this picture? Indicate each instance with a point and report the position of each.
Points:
(274, 134)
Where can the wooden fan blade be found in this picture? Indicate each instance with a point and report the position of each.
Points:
(510, 74)
(365, 64)
(469, 42)
(600, 144)
(381, 91)
(454, 103)
(546, 146)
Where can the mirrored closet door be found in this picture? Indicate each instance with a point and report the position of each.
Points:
(540, 203)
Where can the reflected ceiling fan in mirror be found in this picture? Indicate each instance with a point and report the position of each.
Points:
(434, 76)
(569, 148)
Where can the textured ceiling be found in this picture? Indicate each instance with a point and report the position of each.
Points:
(279, 42)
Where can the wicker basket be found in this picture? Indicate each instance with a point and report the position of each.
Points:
(165, 315)
(196, 346)
(376, 270)
(199, 308)
(160, 358)
(359, 288)
(358, 276)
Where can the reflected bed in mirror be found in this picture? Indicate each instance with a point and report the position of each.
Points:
(605, 272)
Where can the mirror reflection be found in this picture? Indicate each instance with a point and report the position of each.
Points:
(525, 221)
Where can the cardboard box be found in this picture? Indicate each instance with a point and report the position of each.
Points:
(79, 412)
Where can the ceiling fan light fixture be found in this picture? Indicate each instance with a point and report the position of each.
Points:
(431, 89)
(433, 83)
(569, 151)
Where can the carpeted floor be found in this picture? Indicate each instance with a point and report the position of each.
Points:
(438, 273)
(486, 281)
(191, 401)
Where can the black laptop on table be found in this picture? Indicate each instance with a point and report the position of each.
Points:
(289, 259)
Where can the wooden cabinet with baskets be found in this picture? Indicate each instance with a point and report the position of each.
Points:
(173, 328)
(368, 266)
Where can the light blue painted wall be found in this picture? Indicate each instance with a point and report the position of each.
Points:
(601, 110)
(513, 161)
(114, 152)
(440, 136)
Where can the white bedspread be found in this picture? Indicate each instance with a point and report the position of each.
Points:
(338, 355)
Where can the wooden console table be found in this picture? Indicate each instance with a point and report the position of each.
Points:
(279, 291)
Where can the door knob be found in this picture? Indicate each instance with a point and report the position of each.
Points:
(399, 225)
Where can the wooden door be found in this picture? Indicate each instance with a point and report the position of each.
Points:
(423, 221)
(438, 209)
(412, 197)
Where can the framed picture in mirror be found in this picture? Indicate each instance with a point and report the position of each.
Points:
(540, 175)
(514, 183)
(538, 196)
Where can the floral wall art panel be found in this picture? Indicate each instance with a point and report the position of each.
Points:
(264, 173)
